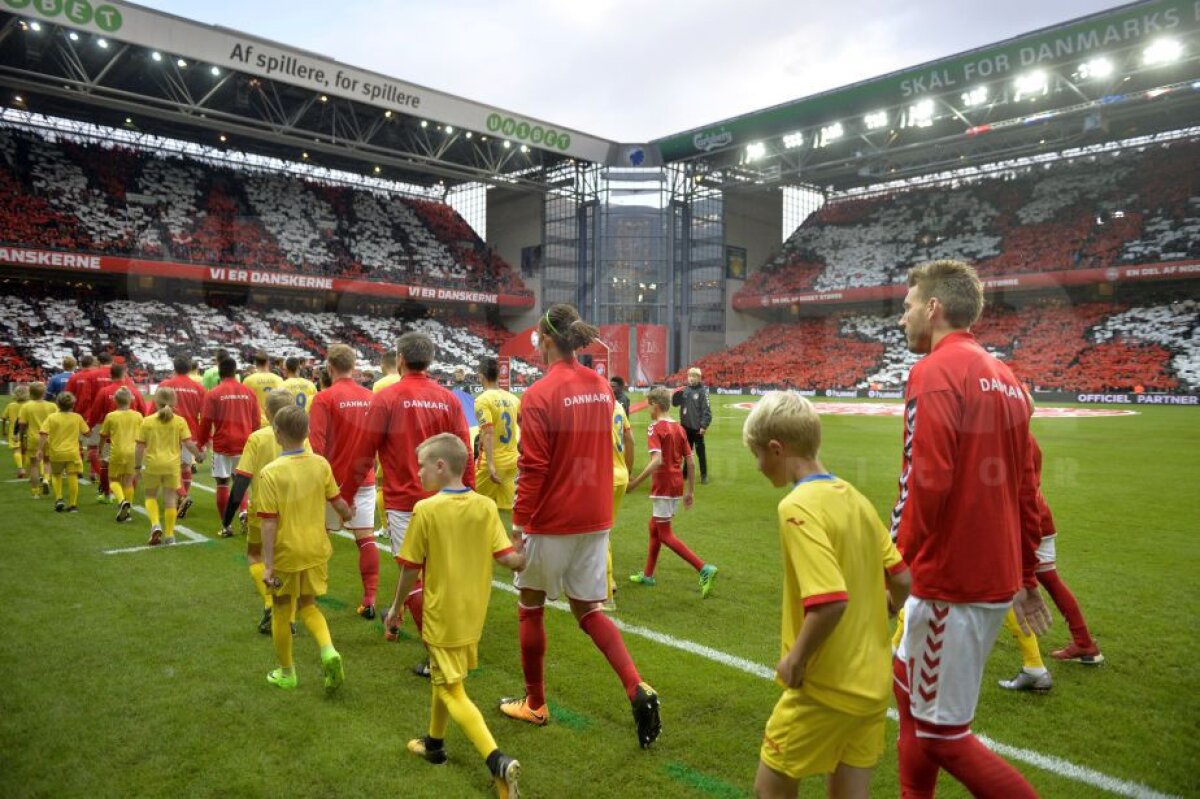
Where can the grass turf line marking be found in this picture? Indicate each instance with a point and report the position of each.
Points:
(191, 535)
(702, 782)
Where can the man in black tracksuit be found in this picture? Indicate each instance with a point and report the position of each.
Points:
(695, 415)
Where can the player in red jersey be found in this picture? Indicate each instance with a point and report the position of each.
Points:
(104, 403)
(564, 513)
(86, 385)
(228, 416)
(336, 427)
(401, 417)
(189, 400)
(669, 452)
(964, 522)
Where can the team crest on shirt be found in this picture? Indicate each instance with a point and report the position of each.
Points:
(795, 522)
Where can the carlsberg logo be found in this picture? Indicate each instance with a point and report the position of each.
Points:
(79, 12)
(710, 140)
(524, 131)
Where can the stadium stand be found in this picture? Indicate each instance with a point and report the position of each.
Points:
(61, 193)
(1095, 211)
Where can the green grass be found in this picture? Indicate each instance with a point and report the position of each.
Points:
(142, 674)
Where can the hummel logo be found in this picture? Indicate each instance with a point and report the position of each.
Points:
(796, 522)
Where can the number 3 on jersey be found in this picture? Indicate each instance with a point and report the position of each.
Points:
(619, 432)
(507, 436)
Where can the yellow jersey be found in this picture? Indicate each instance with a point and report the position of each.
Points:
(12, 413)
(619, 426)
(262, 384)
(261, 448)
(453, 536)
(303, 389)
(384, 382)
(835, 547)
(293, 489)
(62, 431)
(163, 441)
(122, 428)
(497, 410)
(33, 414)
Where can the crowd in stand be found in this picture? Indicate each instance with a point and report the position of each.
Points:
(81, 196)
(1091, 212)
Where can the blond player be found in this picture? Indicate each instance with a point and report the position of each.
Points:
(118, 436)
(301, 387)
(622, 436)
(453, 537)
(59, 447)
(29, 425)
(12, 414)
(499, 434)
(290, 500)
(160, 439)
(836, 663)
(262, 381)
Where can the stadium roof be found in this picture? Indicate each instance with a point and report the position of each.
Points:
(1128, 72)
(121, 65)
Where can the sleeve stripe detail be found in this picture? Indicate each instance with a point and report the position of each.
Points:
(408, 563)
(503, 552)
(265, 515)
(898, 568)
(243, 473)
(825, 599)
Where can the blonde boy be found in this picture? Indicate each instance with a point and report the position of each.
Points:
(59, 447)
(290, 500)
(29, 426)
(454, 536)
(160, 440)
(12, 413)
(836, 664)
(118, 437)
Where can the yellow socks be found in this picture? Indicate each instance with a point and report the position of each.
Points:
(1031, 654)
(56, 486)
(611, 583)
(281, 632)
(439, 715)
(18, 458)
(257, 570)
(467, 716)
(72, 490)
(118, 491)
(317, 627)
(169, 516)
(896, 636)
(380, 510)
(152, 511)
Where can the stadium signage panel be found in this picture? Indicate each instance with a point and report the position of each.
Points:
(85, 262)
(1182, 270)
(221, 47)
(1064, 44)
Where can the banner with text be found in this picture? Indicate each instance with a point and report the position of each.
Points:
(238, 276)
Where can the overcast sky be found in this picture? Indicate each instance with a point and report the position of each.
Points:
(633, 70)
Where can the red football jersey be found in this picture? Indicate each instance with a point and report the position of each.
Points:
(79, 384)
(401, 417)
(228, 416)
(337, 424)
(104, 403)
(189, 401)
(565, 470)
(967, 519)
(667, 438)
(1045, 516)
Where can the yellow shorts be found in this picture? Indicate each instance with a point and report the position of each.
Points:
(152, 482)
(309, 582)
(253, 529)
(501, 493)
(66, 467)
(448, 665)
(804, 737)
(618, 495)
(118, 468)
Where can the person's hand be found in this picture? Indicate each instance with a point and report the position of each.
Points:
(269, 579)
(790, 671)
(495, 478)
(518, 539)
(394, 618)
(688, 499)
(700, 432)
(1033, 616)
(200, 458)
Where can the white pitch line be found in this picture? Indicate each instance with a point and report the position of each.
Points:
(192, 536)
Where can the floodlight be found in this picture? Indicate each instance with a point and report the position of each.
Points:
(377, 170)
(387, 114)
(755, 150)
(36, 26)
(181, 63)
(215, 71)
(156, 56)
(102, 44)
(920, 114)
(524, 148)
(1030, 84)
(73, 36)
(876, 120)
(324, 98)
(507, 144)
(793, 140)
(223, 139)
(449, 130)
(1099, 67)
(424, 123)
(830, 133)
(18, 99)
(469, 134)
(1162, 51)
(976, 96)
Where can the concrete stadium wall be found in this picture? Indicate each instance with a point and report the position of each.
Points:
(754, 220)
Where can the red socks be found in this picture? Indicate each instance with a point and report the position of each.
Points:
(222, 499)
(94, 460)
(918, 774)
(668, 539)
(185, 481)
(105, 488)
(652, 553)
(368, 568)
(415, 602)
(532, 634)
(1067, 606)
(607, 639)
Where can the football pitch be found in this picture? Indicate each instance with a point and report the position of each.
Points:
(141, 673)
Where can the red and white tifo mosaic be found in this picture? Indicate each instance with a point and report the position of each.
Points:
(897, 409)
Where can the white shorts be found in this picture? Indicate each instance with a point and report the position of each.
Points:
(664, 507)
(944, 648)
(1047, 553)
(224, 465)
(364, 512)
(186, 458)
(397, 522)
(576, 565)
(93, 438)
